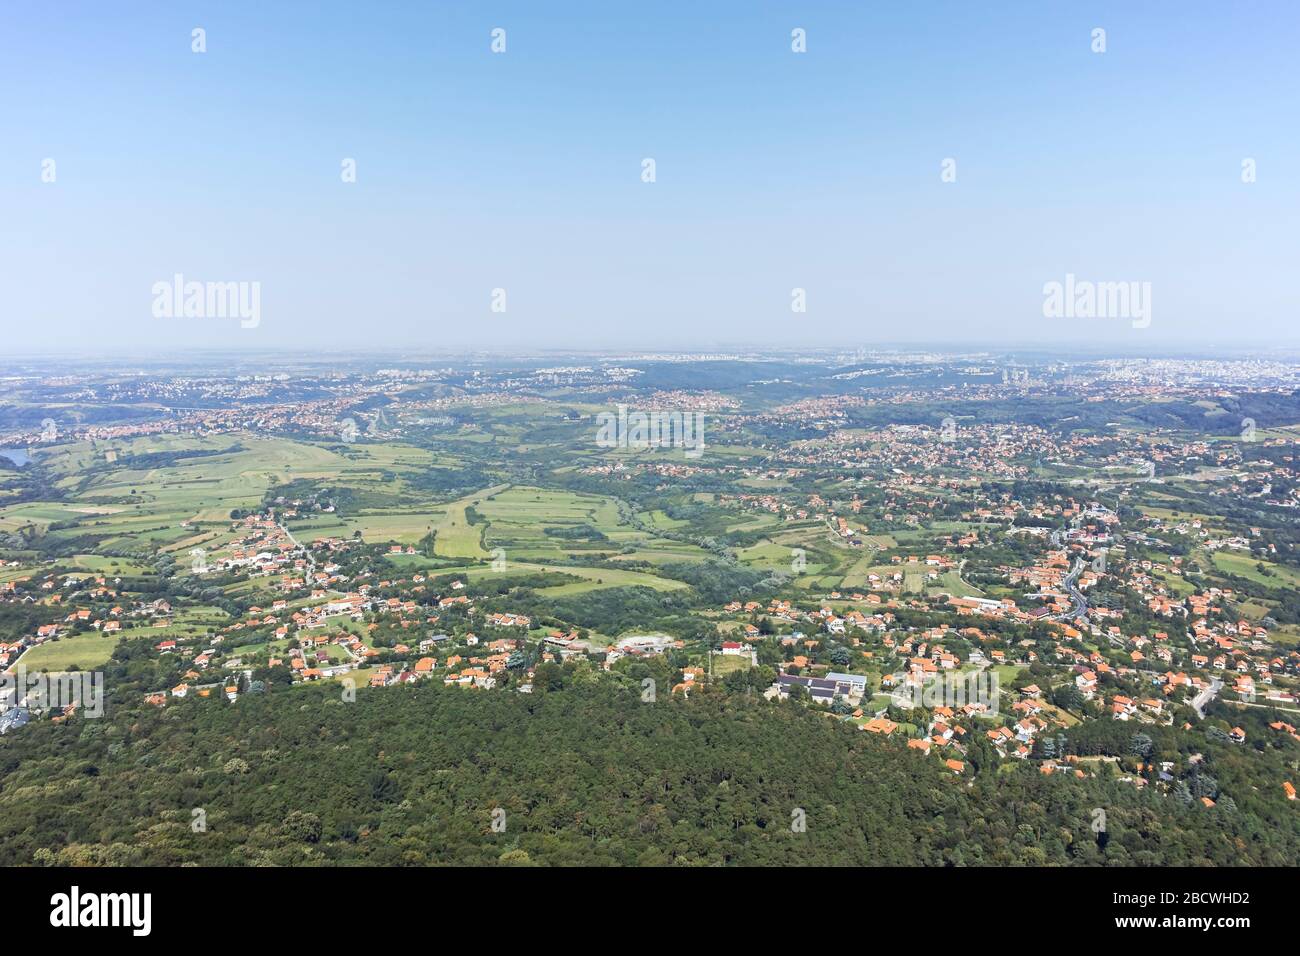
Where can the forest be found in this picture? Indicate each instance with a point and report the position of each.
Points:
(580, 772)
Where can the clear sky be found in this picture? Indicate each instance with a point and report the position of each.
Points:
(522, 171)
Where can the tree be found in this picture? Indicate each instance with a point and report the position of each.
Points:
(383, 788)
(303, 826)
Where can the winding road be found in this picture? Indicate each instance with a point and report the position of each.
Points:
(1080, 608)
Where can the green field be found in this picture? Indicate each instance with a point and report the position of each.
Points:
(594, 579)
(187, 502)
(598, 578)
(1246, 566)
(724, 664)
(950, 582)
(518, 519)
(107, 565)
(80, 652)
(457, 538)
(658, 519)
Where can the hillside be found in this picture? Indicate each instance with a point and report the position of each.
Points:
(586, 774)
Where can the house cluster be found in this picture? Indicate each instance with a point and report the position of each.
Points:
(78, 604)
(509, 620)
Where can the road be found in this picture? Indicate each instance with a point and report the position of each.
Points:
(1205, 696)
(311, 562)
(1080, 608)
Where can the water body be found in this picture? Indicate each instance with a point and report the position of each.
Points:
(18, 456)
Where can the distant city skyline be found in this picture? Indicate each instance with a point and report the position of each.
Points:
(910, 177)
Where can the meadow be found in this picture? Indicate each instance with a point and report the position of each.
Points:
(78, 652)
(1246, 566)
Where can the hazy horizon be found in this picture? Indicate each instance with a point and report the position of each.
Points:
(1080, 353)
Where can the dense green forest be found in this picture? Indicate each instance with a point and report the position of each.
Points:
(585, 772)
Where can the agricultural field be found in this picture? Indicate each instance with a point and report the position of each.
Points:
(598, 578)
(707, 551)
(186, 500)
(395, 527)
(533, 524)
(593, 579)
(43, 515)
(654, 550)
(456, 536)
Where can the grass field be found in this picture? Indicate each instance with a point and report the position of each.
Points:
(1178, 585)
(387, 527)
(598, 578)
(768, 554)
(594, 579)
(658, 519)
(1246, 566)
(80, 652)
(1006, 674)
(108, 566)
(457, 538)
(518, 519)
(655, 550)
(820, 558)
(724, 664)
(1288, 635)
(950, 582)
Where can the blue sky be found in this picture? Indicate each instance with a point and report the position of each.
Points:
(522, 171)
